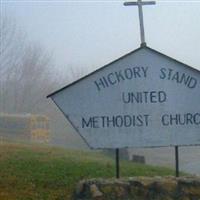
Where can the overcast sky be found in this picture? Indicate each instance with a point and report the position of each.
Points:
(89, 34)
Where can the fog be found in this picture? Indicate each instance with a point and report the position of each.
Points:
(46, 45)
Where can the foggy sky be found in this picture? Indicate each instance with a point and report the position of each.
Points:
(85, 35)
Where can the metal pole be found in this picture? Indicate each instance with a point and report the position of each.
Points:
(177, 161)
(117, 162)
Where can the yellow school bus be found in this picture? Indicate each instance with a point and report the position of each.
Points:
(27, 127)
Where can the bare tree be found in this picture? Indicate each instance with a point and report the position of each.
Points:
(12, 44)
(25, 71)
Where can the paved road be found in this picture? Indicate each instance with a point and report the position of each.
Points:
(189, 157)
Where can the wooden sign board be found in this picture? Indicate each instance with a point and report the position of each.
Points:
(143, 99)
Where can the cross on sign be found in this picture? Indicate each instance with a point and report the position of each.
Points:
(141, 3)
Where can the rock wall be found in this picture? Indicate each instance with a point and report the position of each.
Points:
(139, 188)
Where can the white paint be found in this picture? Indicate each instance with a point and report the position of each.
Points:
(91, 105)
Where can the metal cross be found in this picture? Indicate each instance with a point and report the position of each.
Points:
(139, 3)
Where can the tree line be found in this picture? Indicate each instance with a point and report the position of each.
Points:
(26, 71)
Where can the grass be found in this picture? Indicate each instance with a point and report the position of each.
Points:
(35, 172)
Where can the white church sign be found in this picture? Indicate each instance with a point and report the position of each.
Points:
(143, 99)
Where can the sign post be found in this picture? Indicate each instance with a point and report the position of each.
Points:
(117, 163)
(177, 161)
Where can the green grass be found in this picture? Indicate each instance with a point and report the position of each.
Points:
(30, 172)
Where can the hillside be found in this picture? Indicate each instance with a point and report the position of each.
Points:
(35, 172)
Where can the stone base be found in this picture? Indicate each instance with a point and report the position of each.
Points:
(139, 188)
